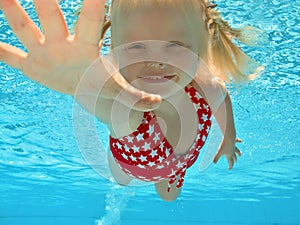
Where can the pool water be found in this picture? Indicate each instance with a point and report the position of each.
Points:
(45, 180)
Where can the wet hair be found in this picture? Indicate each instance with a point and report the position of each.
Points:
(226, 59)
(223, 56)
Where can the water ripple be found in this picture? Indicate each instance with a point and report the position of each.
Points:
(37, 147)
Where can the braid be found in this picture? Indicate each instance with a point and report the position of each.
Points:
(227, 59)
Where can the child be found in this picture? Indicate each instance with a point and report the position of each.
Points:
(182, 33)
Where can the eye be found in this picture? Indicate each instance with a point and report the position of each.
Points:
(136, 46)
(176, 44)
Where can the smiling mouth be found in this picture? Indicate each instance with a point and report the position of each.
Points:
(158, 78)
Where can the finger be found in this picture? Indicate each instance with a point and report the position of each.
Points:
(238, 152)
(217, 157)
(24, 28)
(234, 158)
(238, 140)
(133, 98)
(51, 19)
(143, 101)
(12, 55)
(90, 22)
(230, 163)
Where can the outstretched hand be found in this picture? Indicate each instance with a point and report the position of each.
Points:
(57, 59)
(230, 151)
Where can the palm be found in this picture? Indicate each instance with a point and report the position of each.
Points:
(55, 58)
(56, 64)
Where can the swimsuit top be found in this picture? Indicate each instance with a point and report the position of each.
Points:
(147, 155)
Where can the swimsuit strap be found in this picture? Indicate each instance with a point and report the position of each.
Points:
(199, 104)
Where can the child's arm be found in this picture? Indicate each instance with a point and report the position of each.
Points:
(58, 59)
(215, 93)
(224, 117)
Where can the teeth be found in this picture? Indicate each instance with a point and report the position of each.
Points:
(155, 77)
(159, 77)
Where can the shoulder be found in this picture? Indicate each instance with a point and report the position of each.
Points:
(212, 89)
(206, 86)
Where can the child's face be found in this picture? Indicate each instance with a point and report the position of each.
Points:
(161, 35)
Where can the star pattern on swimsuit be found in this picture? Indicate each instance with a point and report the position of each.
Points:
(127, 149)
(150, 130)
(146, 146)
(140, 137)
(160, 167)
(143, 158)
(133, 158)
(204, 117)
(156, 138)
(135, 149)
(151, 153)
(129, 139)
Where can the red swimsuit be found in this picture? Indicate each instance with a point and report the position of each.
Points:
(147, 155)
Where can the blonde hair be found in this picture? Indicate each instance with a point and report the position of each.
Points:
(226, 60)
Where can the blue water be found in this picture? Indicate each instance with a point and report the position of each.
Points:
(44, 179)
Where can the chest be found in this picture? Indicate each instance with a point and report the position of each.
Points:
(177, 119)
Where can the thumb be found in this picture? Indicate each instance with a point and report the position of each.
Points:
(117, 88)
(219, 153)
(120, 90)
(103, 79)
(217, 156)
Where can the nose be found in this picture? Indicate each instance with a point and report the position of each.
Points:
(157, 65)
